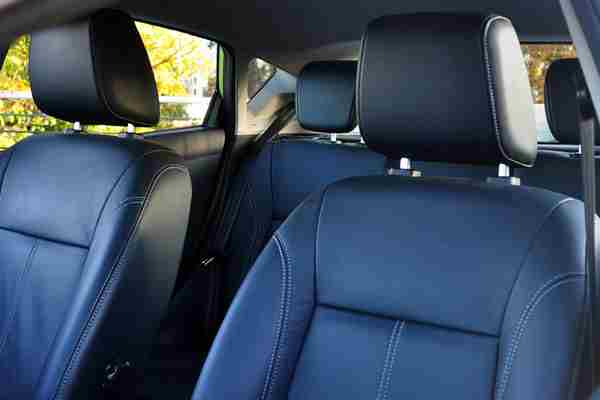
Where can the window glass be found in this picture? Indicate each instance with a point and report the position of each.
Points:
(259, 73)
(269, 89)
(185, 68)
(538, 58)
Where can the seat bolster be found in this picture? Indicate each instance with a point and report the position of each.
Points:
(127, 277)
(256, 350)
(540, 327)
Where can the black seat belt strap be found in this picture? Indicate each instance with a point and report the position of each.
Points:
(222, 229)
(587, 127)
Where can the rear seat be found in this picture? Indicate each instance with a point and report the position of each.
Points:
(270, 186)
(289, 169)
(559, 169)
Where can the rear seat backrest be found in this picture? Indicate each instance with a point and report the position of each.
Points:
(268, 187)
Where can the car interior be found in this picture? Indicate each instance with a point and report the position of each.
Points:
(299, 200)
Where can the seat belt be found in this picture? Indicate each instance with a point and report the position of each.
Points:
(591, 320)
(201, 288)
(221, 231)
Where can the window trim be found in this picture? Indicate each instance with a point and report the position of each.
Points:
(265, 83)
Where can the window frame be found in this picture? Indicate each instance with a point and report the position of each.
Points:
(265, 83)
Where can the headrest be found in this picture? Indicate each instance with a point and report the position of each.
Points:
(95, 71)
(560, 96)
(450, 88)
(325, 96)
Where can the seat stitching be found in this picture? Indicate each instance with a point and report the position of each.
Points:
(532, 243)
(519, 330)
(393, 361)
(122, 174)
(281, 323)
(383, 390)
(107, 287)
(18, 294)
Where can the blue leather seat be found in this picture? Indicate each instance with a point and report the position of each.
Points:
(91, 226)
(392, 286)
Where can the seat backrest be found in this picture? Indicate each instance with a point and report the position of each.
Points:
(91, 226)
(395, 286)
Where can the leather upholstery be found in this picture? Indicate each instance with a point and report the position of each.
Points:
(325, 96)
(339, 307)
(449, 88)
(396, 287)
(95, 71)
(560, 97)
(91, 232)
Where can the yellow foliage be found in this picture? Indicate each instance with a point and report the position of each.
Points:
(538, 58)
(176, 56)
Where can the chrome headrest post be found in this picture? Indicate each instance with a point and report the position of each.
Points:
(77, 127)
(505, 177)
(503, 171)
(402, 167)
(130, 131)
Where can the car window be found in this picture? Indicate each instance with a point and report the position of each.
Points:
(259, 73)
(538, 58)
(185, 68)
(269, 89)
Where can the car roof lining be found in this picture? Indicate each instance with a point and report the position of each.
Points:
(286, 33)
(291, 33)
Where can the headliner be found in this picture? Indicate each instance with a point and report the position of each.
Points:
(291, 32)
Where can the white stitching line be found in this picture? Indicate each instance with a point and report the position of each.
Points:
(19, 293)
(492, 88)
(519, 330)
(383, 390)
(283, 320)
(107, 287)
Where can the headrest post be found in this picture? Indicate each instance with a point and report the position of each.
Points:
(333, 137)
(505, 177)
(77, 127)
(402, 167)
(503, 171)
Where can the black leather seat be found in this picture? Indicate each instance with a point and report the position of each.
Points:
(396, 287)
(91, 226)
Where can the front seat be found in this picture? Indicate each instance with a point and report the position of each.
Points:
(407, 287)
(91, 226)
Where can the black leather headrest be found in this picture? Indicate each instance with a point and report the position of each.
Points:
(560, 96)
(448, 88)
(325, 96)
(95, 71)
